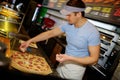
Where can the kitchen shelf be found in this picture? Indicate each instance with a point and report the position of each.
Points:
(9, 21)
(10, 24)
(56, 14)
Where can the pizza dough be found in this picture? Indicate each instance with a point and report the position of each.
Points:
(31, 44)
(29, 63)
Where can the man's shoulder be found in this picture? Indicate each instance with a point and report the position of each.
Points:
(91, 26)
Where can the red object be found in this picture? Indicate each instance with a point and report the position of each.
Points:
(48, 23)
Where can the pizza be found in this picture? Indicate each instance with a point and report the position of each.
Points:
(29, 63)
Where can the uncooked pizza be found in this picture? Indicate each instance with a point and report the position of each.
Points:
(29, 63)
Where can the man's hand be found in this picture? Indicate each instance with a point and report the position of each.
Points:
(62, 57)
(24, 46)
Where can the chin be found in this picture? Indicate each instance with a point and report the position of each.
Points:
(70, 23)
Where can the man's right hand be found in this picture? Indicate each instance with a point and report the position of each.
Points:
(24, 46)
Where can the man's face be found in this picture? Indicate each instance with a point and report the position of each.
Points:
(72, 18)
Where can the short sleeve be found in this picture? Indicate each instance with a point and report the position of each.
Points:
(94, 39)
(63, 27)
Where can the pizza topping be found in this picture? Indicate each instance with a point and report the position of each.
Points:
(20, 62)
(30, 63)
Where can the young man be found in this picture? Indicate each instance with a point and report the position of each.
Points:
(83, 41)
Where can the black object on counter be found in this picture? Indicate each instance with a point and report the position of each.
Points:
(2, 47)
(4, 61)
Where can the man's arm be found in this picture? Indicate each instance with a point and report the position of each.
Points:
(46, 35)
(92, 59)
(43, 36)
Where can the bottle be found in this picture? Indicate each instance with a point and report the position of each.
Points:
(41, 15)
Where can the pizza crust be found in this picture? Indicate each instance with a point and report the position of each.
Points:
(30, 63)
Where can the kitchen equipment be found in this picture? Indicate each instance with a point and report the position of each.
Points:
(48, 23)
(4, 61)
(10, 20)
(2, 47)
(109, 51)
(8, 12)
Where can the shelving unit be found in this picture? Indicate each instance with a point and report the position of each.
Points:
(9, 24)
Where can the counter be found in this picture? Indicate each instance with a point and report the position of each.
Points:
(15, 74)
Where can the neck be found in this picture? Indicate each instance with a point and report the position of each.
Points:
(80, 22)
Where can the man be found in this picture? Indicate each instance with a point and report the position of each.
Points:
(83, 41)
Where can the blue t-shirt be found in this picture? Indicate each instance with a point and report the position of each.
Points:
(78, 39)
